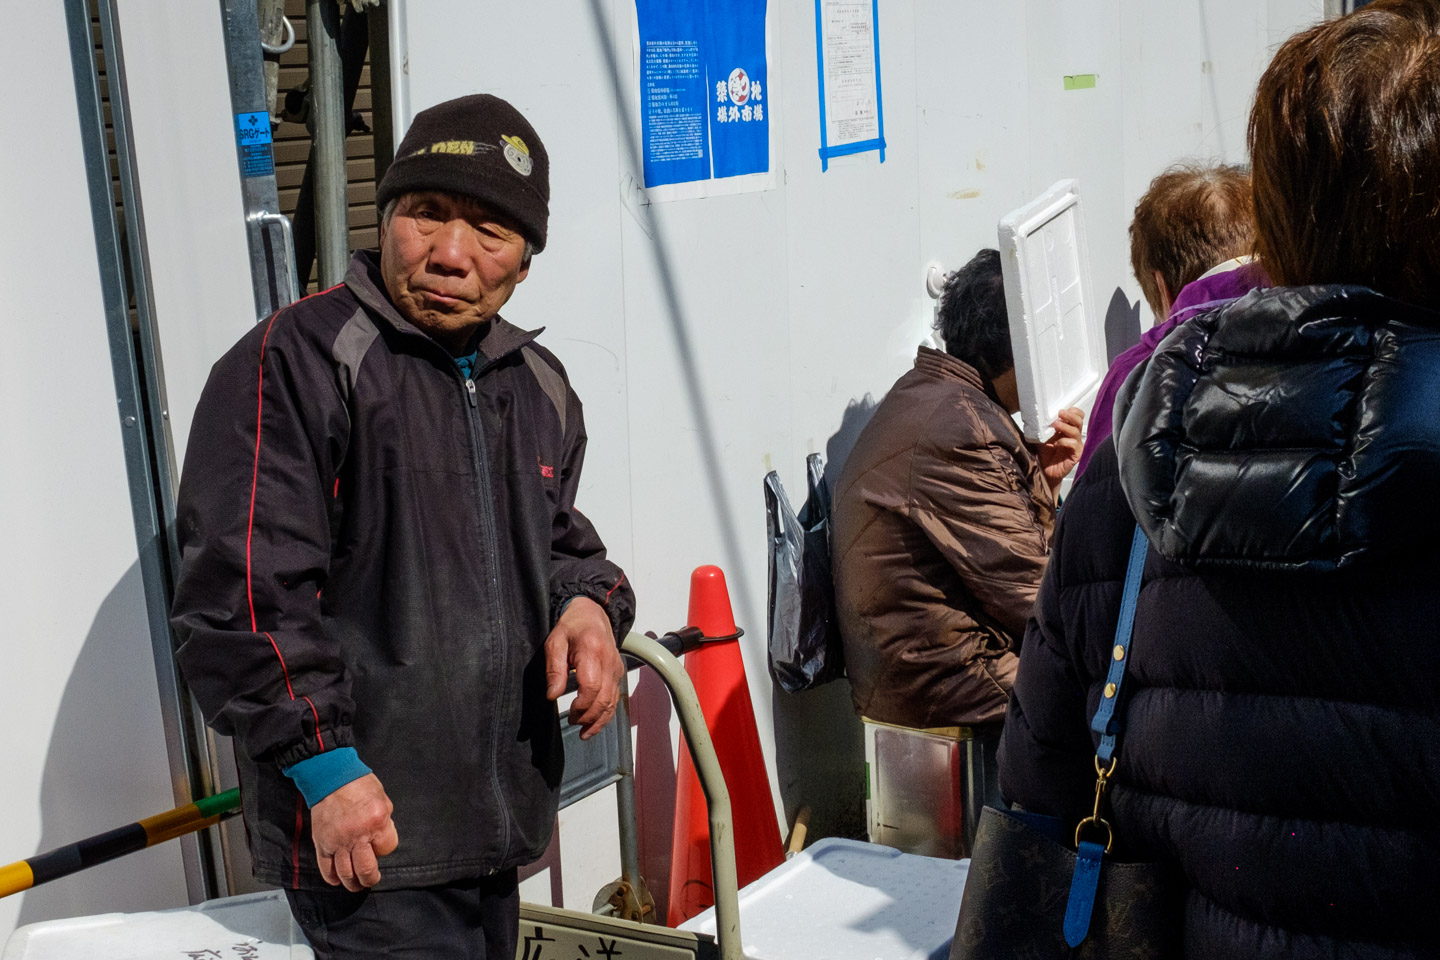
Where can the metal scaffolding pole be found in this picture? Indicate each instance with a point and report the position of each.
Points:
(328, 114)
(268, 233)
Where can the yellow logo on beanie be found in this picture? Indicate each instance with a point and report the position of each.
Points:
(465, 147)
(518, 154)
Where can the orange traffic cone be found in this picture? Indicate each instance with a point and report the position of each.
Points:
(719, 677)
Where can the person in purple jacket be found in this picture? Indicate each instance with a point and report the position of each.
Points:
(1190, 246)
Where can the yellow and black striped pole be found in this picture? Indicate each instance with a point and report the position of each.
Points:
(44, 867)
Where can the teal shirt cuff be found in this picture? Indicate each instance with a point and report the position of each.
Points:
(563, 607)
(324, 773)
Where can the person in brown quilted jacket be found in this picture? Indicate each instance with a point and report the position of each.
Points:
(943, 515)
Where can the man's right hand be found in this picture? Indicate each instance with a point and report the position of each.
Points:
(352, 830)
(1059, 455)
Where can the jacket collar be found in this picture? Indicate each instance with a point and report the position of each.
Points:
(946, 367)
(942, 366)
(500, 339)
(1282, 430)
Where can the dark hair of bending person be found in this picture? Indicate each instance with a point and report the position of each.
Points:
(972, 319)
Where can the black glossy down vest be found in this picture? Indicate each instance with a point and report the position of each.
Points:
(1282, 740)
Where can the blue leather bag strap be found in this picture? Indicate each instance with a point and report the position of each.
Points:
(1084, 884)
(1107, 720)
(1085, 881)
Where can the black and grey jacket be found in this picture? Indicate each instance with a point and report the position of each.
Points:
(373, 551)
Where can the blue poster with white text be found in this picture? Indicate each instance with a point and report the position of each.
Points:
(704, 103)
(673, 92)
(735, 55)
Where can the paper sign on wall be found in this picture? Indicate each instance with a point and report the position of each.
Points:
(673, 114)
(704, 99)
(740, 135)
(847, 41)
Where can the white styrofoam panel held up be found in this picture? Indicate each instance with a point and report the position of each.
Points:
(1056, 329)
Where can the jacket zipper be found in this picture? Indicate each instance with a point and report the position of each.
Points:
(487, 518)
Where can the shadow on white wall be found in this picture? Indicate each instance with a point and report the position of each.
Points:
(106, 767)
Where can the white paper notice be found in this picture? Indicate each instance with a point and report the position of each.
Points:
(852, 113)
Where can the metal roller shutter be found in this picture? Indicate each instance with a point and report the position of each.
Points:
(292, 145)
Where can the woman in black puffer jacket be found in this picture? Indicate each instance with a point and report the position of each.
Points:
(1282, 454)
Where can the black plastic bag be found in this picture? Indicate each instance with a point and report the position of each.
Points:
(805, 648)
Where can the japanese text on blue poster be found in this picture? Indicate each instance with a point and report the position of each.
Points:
(703, 75)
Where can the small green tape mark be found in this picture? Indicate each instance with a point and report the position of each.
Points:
(218, 804)
(867, 780)
(1081, 81)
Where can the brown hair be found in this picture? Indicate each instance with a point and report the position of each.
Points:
(1345, 142)
(1190, 219)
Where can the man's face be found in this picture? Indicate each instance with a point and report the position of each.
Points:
(449, 263)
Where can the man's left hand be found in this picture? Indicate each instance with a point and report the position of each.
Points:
(584, 641)
(1061, 452)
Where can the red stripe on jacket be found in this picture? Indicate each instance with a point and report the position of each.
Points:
(250, 526)
(250, 578)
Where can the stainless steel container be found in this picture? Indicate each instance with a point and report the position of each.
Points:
(925, 788)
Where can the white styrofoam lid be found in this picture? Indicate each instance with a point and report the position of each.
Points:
(255, 926)
(849, 900)
(1057, 329)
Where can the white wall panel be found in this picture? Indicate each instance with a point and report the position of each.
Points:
(81, 744)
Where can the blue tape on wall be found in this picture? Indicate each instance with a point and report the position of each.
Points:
(252, 136)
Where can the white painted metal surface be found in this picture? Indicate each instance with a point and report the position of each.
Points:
(847, 900)
(1057, 331)
(81, 744)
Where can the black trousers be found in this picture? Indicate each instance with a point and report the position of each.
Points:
(464, 920)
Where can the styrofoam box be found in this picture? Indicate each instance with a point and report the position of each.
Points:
(255, 926)
(849, 900)
(1057, 330)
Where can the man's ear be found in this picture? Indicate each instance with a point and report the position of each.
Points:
(524, 272)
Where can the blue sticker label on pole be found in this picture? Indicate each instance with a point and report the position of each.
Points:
(252, 137)
(735, 54)
(673, 101)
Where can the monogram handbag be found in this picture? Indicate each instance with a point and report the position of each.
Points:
(1039, 891)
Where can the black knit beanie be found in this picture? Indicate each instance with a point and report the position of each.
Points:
(479, 147)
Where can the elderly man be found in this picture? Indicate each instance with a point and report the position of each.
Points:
(943, 516)
(384, 578)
